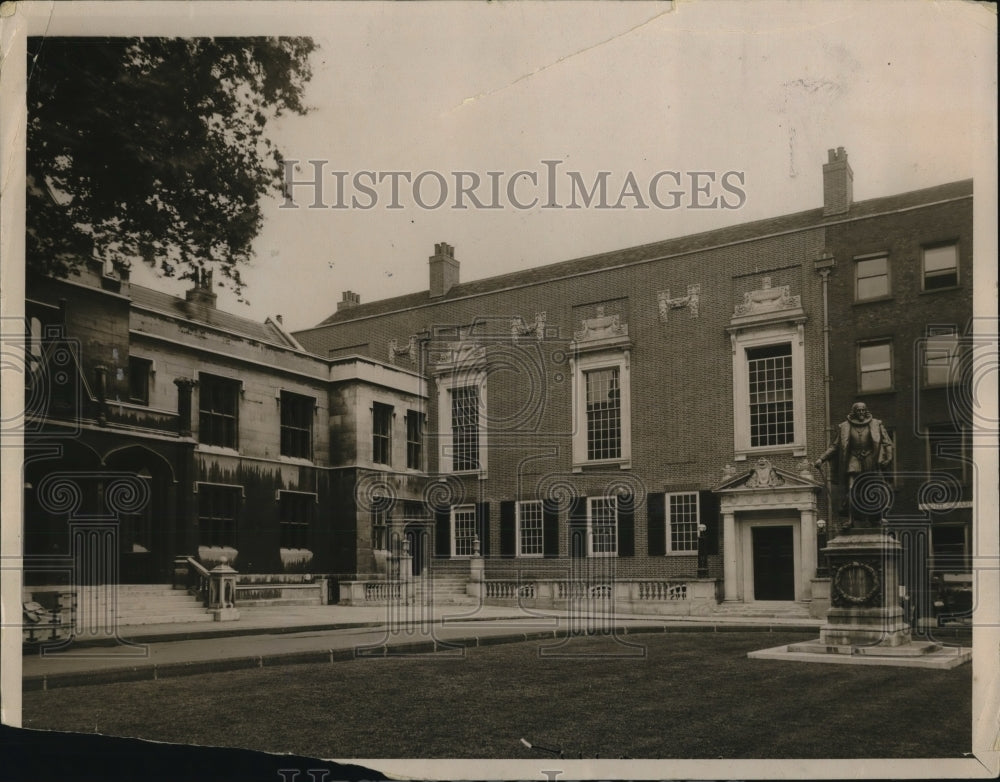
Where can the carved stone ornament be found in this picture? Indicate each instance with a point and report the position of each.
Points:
(409, 351)
(767, 299)
(690, 302)
(764, 476)
(519, 328)
(856, 582)
(466, 353)
(601, 327)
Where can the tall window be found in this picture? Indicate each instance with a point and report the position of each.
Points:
(138, 379)
(940, 266)
(871, 278)
(381, 433)
(217, 514)
(682, 522)
(772, 420)
(941, 357)
(875, 366)
(218, 398)
(414, 440)
(296, 512)
(604, 422)
(465, 428)
(530, 536)
(296, 425)
(602, 526)
(463, 530)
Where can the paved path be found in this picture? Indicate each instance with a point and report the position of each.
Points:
(290, 634)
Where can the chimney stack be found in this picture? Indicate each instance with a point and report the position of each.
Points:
(201, 297)
(838, 183)
(444, 270)
(350, 299)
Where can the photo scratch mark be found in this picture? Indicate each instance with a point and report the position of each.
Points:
(560, 61)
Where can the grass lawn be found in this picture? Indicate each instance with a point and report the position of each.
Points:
(693, 695)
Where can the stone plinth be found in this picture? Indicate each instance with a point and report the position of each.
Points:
(864, 592)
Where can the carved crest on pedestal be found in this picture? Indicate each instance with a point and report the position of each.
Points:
(767, 299)
(601, 327)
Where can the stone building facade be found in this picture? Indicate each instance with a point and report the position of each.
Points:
(645, 415)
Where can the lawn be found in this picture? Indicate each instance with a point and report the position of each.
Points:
(693, 695)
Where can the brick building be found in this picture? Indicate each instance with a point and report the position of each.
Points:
(598, 413)
(605, 420)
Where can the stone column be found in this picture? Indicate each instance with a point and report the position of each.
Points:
(807, 541)
(729, 547)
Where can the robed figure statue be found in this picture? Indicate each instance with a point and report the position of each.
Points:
(864, 452)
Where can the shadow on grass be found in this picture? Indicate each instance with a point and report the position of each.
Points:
(691, 696)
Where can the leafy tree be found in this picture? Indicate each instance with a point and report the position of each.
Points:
(155, 149)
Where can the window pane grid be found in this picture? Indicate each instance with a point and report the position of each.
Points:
(941, 359)
(296, 425)
(940, 267)
(682, 521)
(529, 525)
(604, 525)
(604, 431)
(217, 515)
(875, 363)
(381, 433)
(465, 428)
(771, 397)
(414, 440)
(464, 520)
(217, 418)
(872, 278)
(296, 515)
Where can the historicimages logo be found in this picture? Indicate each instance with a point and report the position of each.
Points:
(547, 186)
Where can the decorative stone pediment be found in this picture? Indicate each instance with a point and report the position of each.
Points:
(764, 476)
(766, 305)
(601, 332)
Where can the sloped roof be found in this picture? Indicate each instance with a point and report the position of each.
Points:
(719, 236)
(224, 321)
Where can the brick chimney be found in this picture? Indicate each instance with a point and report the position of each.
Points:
(201, 297)
(838, 183)
(349, 299)
(444, 269)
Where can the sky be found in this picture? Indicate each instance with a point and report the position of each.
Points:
(759, 89)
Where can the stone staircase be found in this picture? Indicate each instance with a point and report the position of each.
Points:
(139, 604)
(443, 588)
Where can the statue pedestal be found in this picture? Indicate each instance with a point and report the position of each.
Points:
(864, 592)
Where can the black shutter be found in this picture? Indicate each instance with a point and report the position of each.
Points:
(483, 527)
(709, 514)
(656, 524)
(578, 527)
(550, 529)
(442, 533)
(626, 525)
(508, 537)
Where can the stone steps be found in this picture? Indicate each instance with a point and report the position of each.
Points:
(138, 604)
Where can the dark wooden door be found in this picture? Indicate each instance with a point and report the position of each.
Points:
(773, 563)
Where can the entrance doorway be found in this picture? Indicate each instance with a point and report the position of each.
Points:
(773, 563)
(418, 533)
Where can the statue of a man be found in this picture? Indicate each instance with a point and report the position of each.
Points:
(862, 445)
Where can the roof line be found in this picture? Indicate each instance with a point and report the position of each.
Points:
(637, 262)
